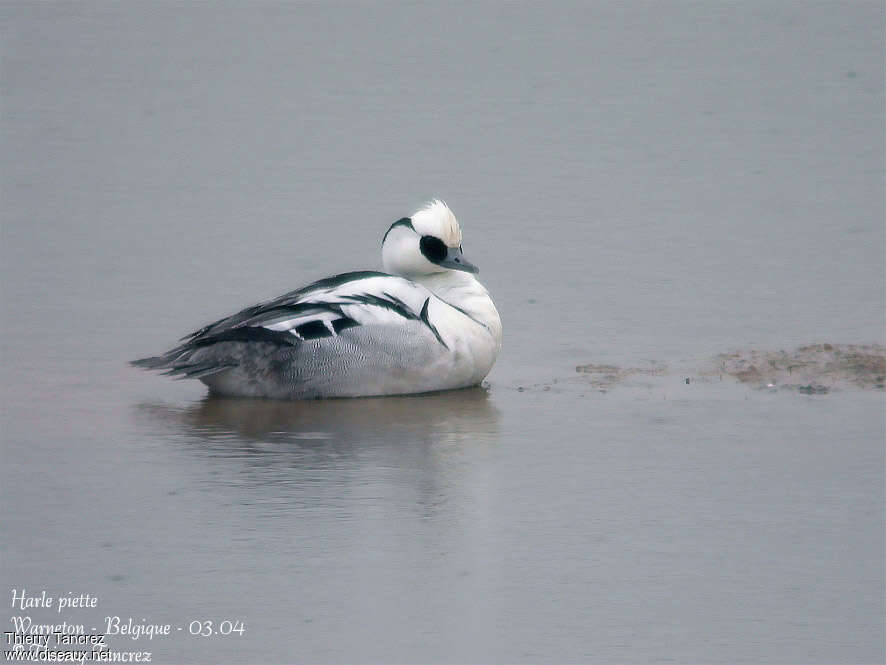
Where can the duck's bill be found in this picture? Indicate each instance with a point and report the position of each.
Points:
(456, 260)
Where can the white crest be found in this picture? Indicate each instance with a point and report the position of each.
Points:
(436, 219)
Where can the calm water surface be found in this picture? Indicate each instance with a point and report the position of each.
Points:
(647, 183)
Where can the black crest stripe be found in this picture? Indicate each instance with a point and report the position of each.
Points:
(404, 221)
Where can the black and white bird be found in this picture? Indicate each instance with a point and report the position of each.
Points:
(425, 324)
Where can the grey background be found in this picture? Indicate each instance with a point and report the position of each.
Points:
(637, 182)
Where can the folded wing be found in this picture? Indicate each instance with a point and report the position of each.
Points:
(326, 308)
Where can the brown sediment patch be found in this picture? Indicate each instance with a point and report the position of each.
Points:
(606, 376)
(813, 369)
(810, 369)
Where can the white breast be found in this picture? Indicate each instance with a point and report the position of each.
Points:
(468, 322)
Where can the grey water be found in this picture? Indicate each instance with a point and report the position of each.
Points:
(639, 184)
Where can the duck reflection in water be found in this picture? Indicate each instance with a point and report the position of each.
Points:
(417, 455)
(320, 432)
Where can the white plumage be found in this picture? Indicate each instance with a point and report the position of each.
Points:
(426, 324)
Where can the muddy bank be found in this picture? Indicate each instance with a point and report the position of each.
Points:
(810, 369)
(816, 368)
(604, 377)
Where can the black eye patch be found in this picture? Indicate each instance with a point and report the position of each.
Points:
(433, 248)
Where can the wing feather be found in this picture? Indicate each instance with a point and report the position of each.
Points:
(329, 306)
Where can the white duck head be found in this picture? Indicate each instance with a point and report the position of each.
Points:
(427, 243)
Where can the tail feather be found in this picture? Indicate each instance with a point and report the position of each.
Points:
(198, 370)
(210, 354)
(179, 365)
(154, 362)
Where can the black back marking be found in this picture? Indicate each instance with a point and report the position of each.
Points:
(248, 334)
(427, 321)
(389, 302)
(276, 312)
(313, 330)
(284, 304)
(334, 281)
(466, 314)
(343, 324)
